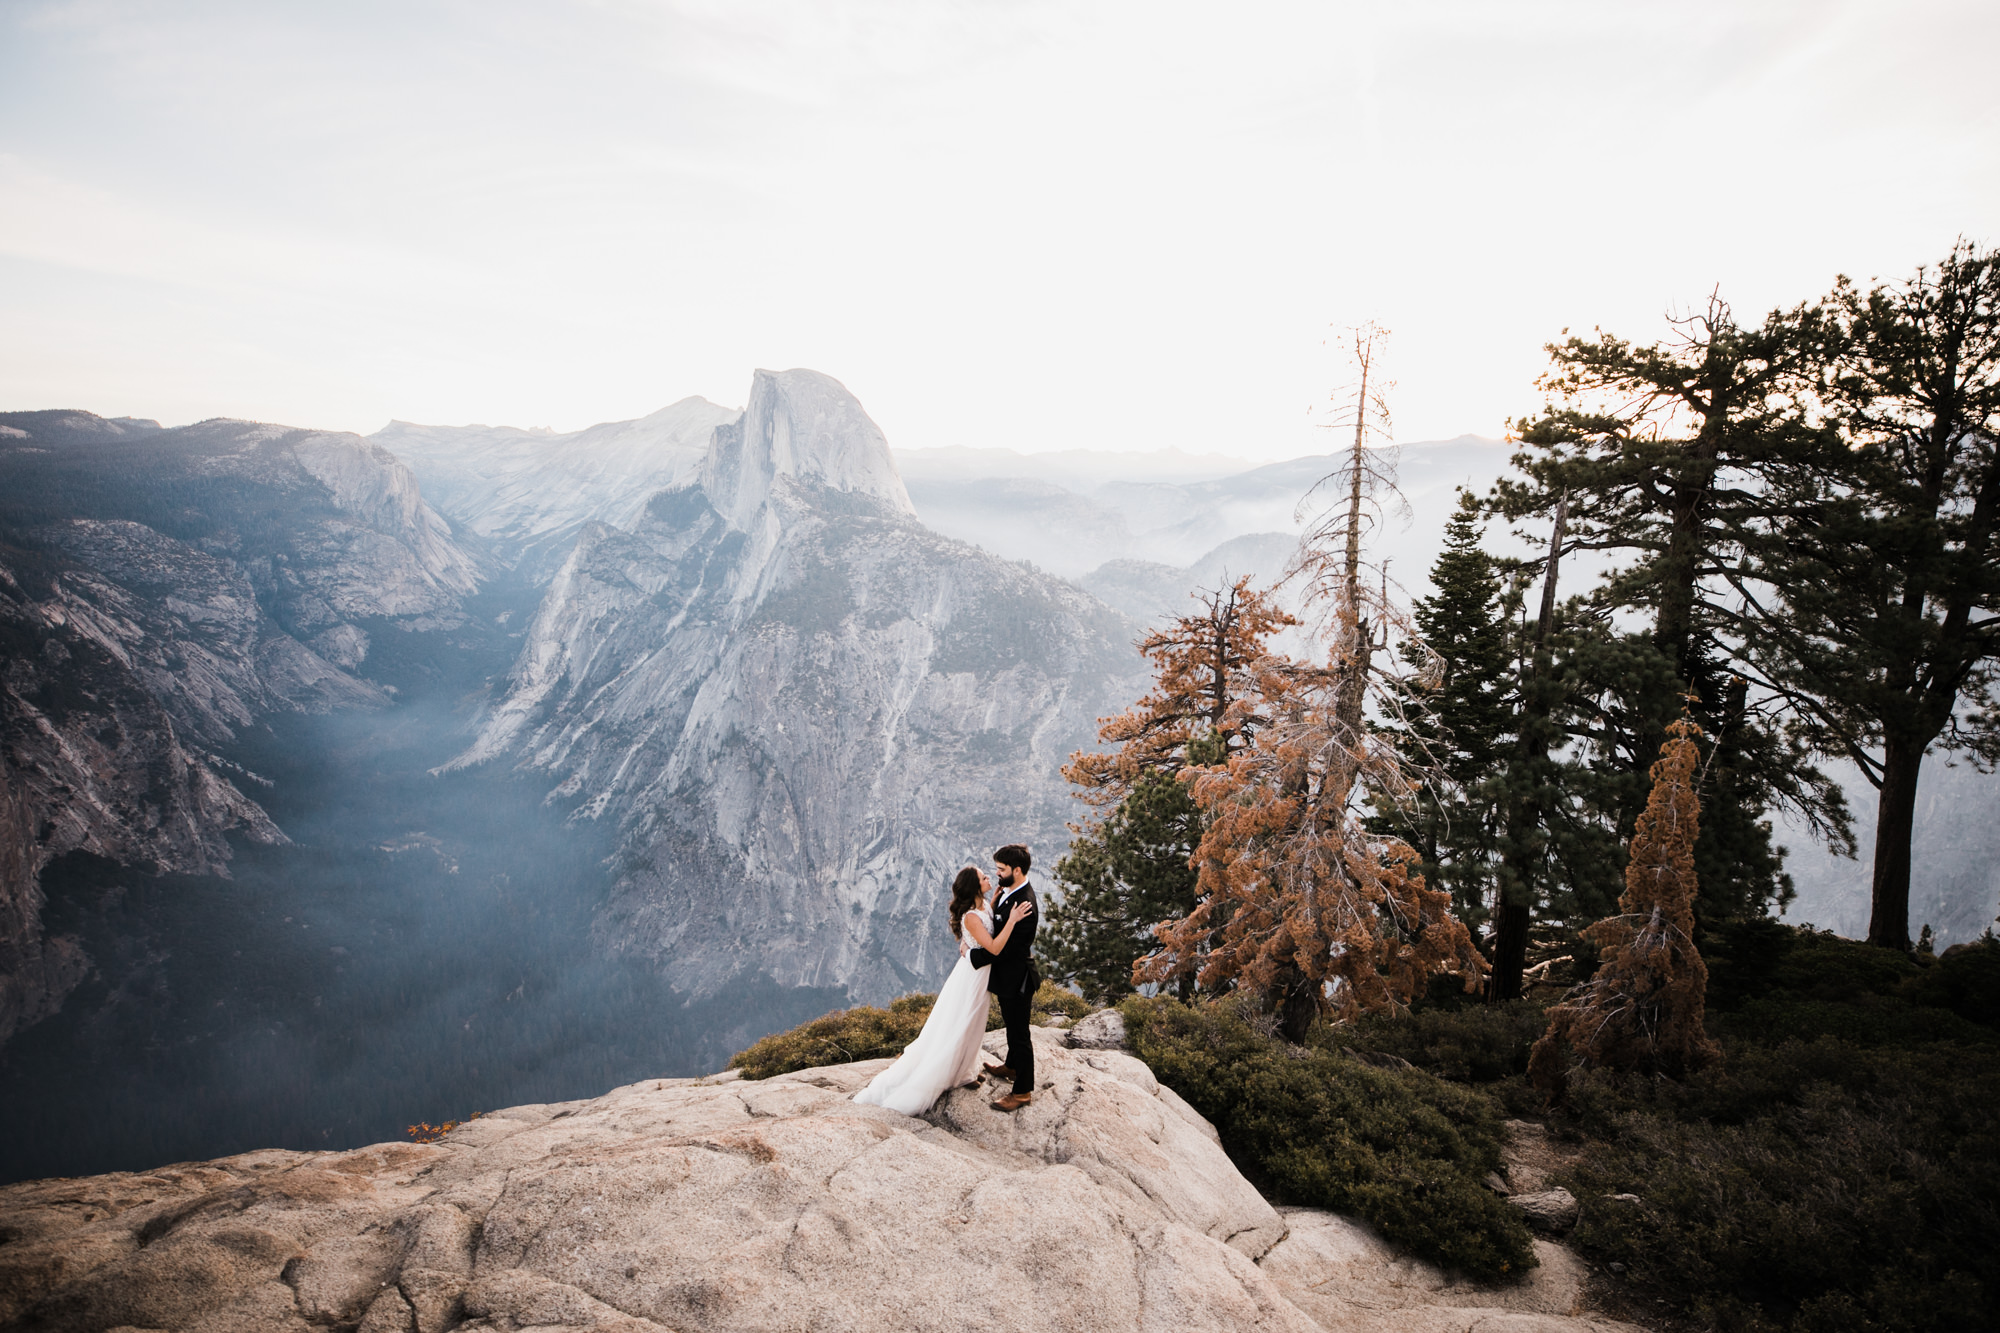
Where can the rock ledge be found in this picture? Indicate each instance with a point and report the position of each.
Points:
(726, 1204)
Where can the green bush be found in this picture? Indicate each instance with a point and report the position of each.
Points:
(1315, 1126)
(1770, 983)
(1820, 1186)
(1966, 981)
(1469, 1044)
(1052, 999)
(838, 1038)
(867, 1033)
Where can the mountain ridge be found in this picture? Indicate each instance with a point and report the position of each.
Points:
(142, 632)
(778, 683)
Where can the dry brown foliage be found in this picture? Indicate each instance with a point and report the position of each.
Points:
(1643, 1009)
(1203, 686)
(1301, 903)
(425, 1132)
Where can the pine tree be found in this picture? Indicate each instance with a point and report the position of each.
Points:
(1465, 723)
(1127, 869)
(1202, 688)
(1659, 453)
(1642, 1010)
(1302, 903)
(1126, 874)
(1873, 586)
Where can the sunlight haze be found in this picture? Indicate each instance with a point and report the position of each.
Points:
(1034, 226)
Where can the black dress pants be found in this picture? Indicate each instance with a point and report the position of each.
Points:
(1020, 1046)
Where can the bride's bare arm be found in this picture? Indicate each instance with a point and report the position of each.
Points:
(994, 943)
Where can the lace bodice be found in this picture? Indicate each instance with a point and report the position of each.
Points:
(965, 936)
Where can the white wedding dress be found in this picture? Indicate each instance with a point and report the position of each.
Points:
(946, 1053)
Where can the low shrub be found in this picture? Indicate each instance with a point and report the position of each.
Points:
(1770, 983)
(425, 1132)
(1052, 999)
(1469, 1044)
(838, 1038)
(1315, 1126)
(1819, 1186)
(1966, 980)
(868, 1033)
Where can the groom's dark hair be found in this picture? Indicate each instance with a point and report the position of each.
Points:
(1015, 855)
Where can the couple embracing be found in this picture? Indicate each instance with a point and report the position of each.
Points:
(993, 961)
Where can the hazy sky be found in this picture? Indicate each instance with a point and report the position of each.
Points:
(1038, 225)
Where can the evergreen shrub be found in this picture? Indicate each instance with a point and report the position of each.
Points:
(1814, 1187)
(867, 1033)
(1770, 983)
(1966, 981)
(838, 1038)
(1311, 1125)
(1476, 1043)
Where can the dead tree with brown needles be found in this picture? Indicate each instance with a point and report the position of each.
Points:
(1301, 902)
(1643, 1009)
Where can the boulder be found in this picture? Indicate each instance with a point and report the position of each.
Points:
(1101, 1031)
(1551, 1212)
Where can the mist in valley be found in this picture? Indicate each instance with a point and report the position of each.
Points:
(422, 950)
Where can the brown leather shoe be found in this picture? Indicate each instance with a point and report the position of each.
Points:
(1005, 1073)
(1013, 1101)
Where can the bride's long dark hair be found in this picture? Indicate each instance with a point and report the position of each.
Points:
(964, 897)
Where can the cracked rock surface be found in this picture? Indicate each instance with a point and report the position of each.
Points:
(720, 1203)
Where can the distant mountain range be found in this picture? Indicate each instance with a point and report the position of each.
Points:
(804, 709)
(546, 761)
(527, 493)
(162, 591)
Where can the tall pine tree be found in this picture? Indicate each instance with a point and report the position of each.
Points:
(1464, 724)
(1872, 583)
(1658, 452)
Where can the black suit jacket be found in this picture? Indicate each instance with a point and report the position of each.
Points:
(1013, 970)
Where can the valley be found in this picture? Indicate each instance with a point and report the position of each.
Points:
(364, 782)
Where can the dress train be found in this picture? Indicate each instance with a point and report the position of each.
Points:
(946, 1053)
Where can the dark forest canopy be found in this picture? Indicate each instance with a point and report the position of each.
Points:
(1799, 524)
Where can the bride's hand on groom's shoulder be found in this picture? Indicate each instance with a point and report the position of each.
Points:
(1019, 910)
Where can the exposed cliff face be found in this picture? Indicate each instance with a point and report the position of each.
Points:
(705, 1205)
(804, 709)
(93, 760)
(155, 589)
(529, 493)
(805, 427)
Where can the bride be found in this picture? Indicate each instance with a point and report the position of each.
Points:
(946, 1053)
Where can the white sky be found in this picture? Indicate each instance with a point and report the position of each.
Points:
(1088, 224)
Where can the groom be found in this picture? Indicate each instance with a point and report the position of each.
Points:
(1013, 977)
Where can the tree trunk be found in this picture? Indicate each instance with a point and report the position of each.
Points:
(1895, 822)
(1510, 951)
(1514, 901)
(1300, 1008)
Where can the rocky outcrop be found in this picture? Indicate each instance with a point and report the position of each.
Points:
(721, 1204)
(802, 428)
(1346, 1278)
(1551, 1212)
(1101, 1031)
(106, 699)
(155, 587)
(804, 709)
